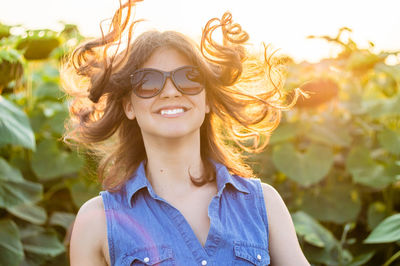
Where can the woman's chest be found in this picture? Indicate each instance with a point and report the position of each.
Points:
(196, 216)
(190, 232)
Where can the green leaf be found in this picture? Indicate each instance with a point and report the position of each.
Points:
(387, 231)
(82, 191)
(366, 171)
(48, 90)
(63, 219)
(330, 133)
(29, 212)
(11, 252)
(41, 242)
(14, 126)
(49, 161)
(339, 204)
(362, 259)
(313, 232)
(14, 189)
(376, 213)
(286, 131)
(10, 55)
(390, 140)
(377, 108)
(50, 108)
(304, 168)
(9, 173)
(57, 121)
(323, 246)
(37, 120)
(49, 73)
(49, 116)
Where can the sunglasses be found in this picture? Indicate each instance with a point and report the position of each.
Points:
(149, 82)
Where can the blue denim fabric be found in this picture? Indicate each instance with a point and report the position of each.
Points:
(144, 229)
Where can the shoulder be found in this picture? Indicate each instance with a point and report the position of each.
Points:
(271, 195)
(89, 233)
(94, 204)
(91, 211)
(282, 233)
(275, 206)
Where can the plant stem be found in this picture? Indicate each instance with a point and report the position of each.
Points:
(393, 258)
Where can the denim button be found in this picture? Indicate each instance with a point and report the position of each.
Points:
(203, 262)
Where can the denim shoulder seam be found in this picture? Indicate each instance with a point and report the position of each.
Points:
(107, 209)
(264, 214)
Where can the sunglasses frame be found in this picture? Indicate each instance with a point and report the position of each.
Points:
(166, 74)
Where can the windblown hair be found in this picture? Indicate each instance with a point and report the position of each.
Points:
(244, 93)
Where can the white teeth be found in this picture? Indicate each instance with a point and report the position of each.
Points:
(172, 111)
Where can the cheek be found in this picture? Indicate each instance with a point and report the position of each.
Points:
(201, 101)
(141, 105)
(141, 109)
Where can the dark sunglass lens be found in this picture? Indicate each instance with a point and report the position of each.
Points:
(189, 80)
(146, 83)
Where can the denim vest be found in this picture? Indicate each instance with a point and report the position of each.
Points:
(144, 229)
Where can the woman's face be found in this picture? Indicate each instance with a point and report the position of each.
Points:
(161, 116)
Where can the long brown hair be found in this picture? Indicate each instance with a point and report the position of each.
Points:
(244, 92)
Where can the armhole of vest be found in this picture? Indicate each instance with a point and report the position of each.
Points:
(108, 210)
(264, 214)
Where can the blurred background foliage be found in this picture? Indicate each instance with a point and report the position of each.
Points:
(335, 157)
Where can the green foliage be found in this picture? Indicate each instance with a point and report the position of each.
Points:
(313, 232)
(367, 171)
(390, 140)
(304, 168)
(62, 162)
(387, 231)
(11, 249)
(15, 189)
(14, 126)
(338, 204)
(4, 30)
(9, 55)
(10, 64)
(38, 173)
(334, 158)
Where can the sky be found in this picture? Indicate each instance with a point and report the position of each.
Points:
(282, 23)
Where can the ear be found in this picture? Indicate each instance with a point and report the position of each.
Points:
(207, 105)
(207, 108)
(128, 108)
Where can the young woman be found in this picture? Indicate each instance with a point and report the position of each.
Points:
(167, 117)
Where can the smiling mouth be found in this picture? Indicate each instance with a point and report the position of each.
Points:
(175, 112)
(172, 111)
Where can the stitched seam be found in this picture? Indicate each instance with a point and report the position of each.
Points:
(244, 255)
(111, 250)
(263, 208)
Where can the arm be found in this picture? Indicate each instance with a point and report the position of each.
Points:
(283, 243)
(89, 235)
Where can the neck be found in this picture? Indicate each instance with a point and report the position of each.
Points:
(169, 162)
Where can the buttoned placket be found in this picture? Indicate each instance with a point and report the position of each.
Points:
(200, 253)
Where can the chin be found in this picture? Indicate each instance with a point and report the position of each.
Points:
(177, 132)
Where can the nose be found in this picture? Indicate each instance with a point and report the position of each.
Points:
(169, 90)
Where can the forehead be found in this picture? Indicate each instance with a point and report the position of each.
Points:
(166, 59)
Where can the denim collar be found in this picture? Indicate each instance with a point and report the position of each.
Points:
(139, 180)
